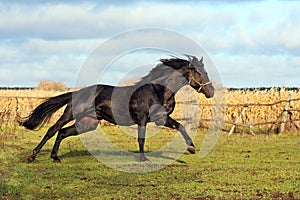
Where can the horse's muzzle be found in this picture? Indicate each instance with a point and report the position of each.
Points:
(210, 93)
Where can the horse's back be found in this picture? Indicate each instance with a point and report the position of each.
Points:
(86, 99)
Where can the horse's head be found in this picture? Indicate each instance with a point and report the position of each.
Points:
(198, 78)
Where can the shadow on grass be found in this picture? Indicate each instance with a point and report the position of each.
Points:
(76, 153)
(136, 154)
(83, 153)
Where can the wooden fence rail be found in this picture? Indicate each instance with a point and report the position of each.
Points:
(286, 119)
(279, 125)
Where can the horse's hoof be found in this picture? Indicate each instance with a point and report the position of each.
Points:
(191, 149)
(57, 161)
(55, 158)
(30, 159)
(144, 159)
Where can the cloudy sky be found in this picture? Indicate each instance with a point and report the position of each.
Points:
(251, 43)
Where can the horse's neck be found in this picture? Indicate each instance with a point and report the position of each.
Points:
(170, 90)
(171, 82)
(175, 85)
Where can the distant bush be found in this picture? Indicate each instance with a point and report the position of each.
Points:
(51, 85)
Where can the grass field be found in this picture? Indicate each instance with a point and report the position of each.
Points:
(239, 167)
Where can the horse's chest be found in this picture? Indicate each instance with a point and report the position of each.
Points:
(169, 105)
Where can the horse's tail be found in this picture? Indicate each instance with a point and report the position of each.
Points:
(42, 114)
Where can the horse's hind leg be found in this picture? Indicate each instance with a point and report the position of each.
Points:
(63, 120)
(83, 125)
(62, 134)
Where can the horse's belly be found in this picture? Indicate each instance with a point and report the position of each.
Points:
(118, 118)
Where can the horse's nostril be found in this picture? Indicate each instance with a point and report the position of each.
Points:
(211, 92)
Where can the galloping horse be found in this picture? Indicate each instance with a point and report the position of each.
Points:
(152, 99)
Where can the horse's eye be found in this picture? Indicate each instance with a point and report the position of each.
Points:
(198, 71)
(191, 66)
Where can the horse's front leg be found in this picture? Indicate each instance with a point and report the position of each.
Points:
(171, 123)
(141, 141)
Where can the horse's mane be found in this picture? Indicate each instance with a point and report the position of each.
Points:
(163, 70)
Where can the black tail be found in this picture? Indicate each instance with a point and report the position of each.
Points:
(42, 114)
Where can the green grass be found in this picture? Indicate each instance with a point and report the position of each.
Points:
(239, 167)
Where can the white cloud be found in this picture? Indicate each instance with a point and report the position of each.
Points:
(258, 70)
(52, 37)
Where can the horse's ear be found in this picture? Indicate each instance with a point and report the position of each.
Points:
(201, 60)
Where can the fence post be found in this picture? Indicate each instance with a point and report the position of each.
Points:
(285, 114)
(251, 131)
(238, 119)
(17, 109)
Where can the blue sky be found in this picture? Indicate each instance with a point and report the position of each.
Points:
(251, 43)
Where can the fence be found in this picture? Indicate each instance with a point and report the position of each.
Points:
(285, 116)
(12, 107)
(285, 121)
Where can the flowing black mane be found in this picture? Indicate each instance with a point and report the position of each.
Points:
(176, 63)
(163, 70)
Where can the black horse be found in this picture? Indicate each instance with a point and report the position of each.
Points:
(152, 99)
